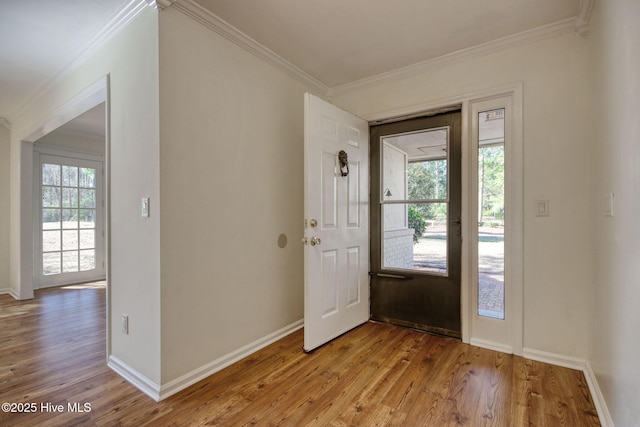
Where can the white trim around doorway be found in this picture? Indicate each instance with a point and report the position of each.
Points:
(88, 98)
(469, 187)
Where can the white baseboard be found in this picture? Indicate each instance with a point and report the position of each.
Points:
(190, 378)
(159, 393)
(598, 398)
(554, 359)
(143, 383)
(580, 365)
(9, 291)
(490, 345)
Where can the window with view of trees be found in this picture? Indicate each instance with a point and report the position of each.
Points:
(491, 213)
(415, 186)
(68, 219)
(426, 180)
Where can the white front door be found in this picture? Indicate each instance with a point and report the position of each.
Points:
(336, 198)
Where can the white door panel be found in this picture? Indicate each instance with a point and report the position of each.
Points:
(337, 214)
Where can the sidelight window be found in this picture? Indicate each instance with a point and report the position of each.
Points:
(491, 213)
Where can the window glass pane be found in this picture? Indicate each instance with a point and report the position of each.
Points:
(87, 178)
(87, 260)
(415, 168)
(429, 222)
(69, 176)
(50, 197)
(69, 240)
(51, 263)
(70, 197)
(50, 219)
(50, 174)
(87, 198)
(397, 242)
(394, 176)
(491, 210)
(51, 240)
(427, 180)
(70, 262)
(415, 237)
(87, 218)
(415, 165)
(87, 239)
(69, 218)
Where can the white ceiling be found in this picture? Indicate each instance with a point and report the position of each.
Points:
(342, 41)
(422, 145)
(334, 41)
(40, 38)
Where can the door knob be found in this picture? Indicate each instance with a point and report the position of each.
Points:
(315, 241)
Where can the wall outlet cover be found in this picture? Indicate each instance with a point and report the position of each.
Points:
(542, 208)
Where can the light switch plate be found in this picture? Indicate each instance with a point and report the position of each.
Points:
(124, 321)
(609, 204)
(145, 207)
(542, 208)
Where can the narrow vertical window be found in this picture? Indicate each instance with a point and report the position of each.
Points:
(491, 213)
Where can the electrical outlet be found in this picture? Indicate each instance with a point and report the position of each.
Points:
(542, 208)
(125, 324)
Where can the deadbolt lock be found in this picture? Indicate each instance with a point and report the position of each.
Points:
(314, 241)
(313, 223)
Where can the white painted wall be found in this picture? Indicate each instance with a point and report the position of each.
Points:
(394, 163)
(615, 132)
(231, 182)
(4, 207)
(130, 58)
(557, 249)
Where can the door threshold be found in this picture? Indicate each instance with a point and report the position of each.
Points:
(433, 330)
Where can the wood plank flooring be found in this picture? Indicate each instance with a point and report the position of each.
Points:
(52, 352)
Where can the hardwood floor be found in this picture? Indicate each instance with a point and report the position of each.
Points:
(52, 352)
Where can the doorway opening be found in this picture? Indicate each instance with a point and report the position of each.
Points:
(69, 219)
(416, 227)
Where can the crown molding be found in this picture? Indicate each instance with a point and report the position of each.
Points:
(192, 9)
(231, 33)
(6, 123)
(537, 34)
(126, 15)
(584, 16)
(163, 4)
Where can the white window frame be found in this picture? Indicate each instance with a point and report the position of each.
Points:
(505, 335)
(42, 152)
